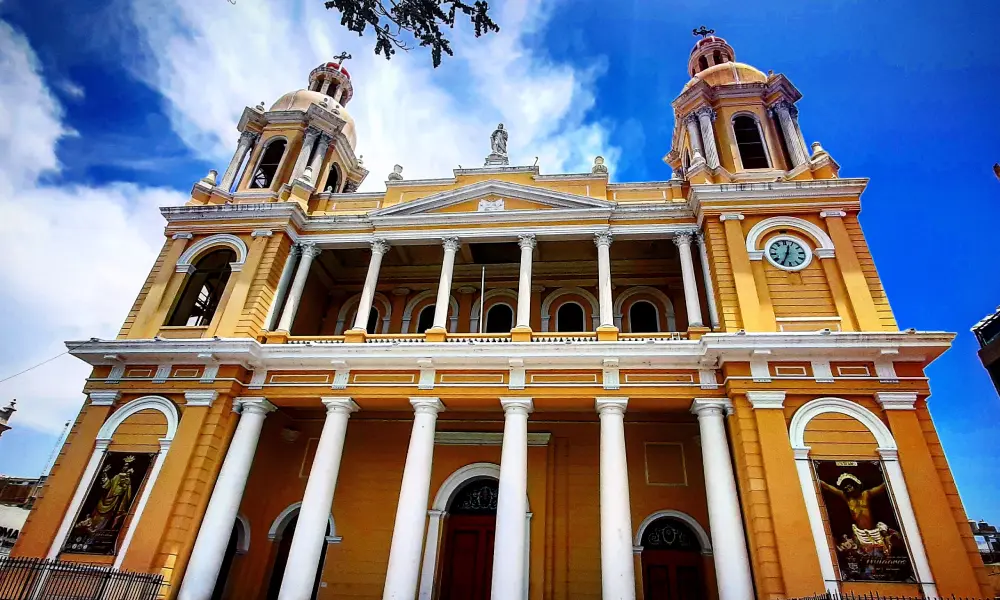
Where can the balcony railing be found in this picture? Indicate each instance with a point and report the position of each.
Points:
(389, 339)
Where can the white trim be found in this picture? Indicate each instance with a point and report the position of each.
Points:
(242, 535)
(703, 538)
(143, 500)
(668, 306)
(595, 311)
(483, 438)
(408, 311)
(802, 244)
(505, 292)
(185, 264)
(385, 312)
(158, 403)
(761, 399)
(277, 528)
(819, 406)
(820, 237)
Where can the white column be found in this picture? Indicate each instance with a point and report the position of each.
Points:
(220, 515)
(451, 246)
(247, 138)
(795, 147)
(617, 567)
(283, 283)
(908, 521)
(729, 549)
(691, 300)
(706, 271)
(603, 242)
(379, 249)
(429, 568)
(411, 511)
(527, 244)
(319, 156)
(338, 94)
(309, 252)
(705, 117)
(512, 505)
(314, 514)
(308, 141)
(691, 121)
(325, 87)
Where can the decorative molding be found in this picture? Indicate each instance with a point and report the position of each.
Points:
(182, 235)
(157, 403)
(826, 214)
(484, 438)
(277, 529)
(761, 399)
(195, 250)
(262, 233)
(820, 238)
(712, 406)
(162, 373)
(731, 217)
(822, 372)
(200, 397)
(104, 398)
(703, 538)
(896, 400)
(819, 406)
(611, 379)
(603, 238)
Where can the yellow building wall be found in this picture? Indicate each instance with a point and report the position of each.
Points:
(141, 298)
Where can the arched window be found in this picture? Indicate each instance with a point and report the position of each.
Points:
(373, 318)
(642, 318)
(499, 319)
(426, 319)
(333, 179)
(268, 165)
(687, 160)
(751, 145)
(717, 56)
(203, 290)
(703, 62)
(569, 317)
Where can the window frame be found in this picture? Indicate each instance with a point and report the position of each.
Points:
(760, 132)
(486, 317)
(656, 314)
(277, 168)
(583, 316)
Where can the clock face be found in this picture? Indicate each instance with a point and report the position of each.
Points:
(787, 254)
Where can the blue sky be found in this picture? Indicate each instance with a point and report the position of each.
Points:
(111, 108)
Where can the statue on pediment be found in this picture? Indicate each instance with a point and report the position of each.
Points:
(498, 147)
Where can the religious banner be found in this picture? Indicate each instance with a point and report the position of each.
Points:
(866, 532)
(108, 502)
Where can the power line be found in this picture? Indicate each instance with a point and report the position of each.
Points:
(44, 362)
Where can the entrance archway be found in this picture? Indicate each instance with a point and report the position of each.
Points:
(281, 532)
(239, 543)
(673, 549)
(467, 544)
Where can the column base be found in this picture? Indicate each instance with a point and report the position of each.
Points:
(276, 337)
(355, 336)
(607, 333)
(436, 334)
(695, 333)
(520, 334)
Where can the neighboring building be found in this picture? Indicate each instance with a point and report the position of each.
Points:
(5, 414)
(17, 496)
(689, 388)
(988, 333)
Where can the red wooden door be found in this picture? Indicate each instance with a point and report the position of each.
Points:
(468, 557)
(672, 575)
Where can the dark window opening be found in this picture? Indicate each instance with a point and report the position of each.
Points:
(426, 319)
(666, 533)
(703, 62)
(494, 254)
(203, 290)
(372, 321)
(268, 165)
(499, 319)
(751, 146)
(478, 497)
(333, 179)
(642, 318)
(569, 317)
(717, 56)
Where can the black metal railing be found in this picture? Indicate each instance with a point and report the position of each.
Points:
(877, 596)
(37, 579)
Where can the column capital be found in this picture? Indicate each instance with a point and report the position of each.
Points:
(611, 404)
(896, 400)
(683, 238)
(691, 118)
(801, 452)
(248, 137)
(182, 235)
(826, 214)
(423, 405)
(709, 407)
(312, 131)
(760, 399)
(257, 405)
(888, 454)
(339, 404)
(705, 112)
(526, 240)
(379, 246)
(200, 397)
(731, 217)
(296, 250)
(309, 249)
(603, 238)
(516, 405)
(451, 244)
(104, 397)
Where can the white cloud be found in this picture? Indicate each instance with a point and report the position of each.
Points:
(74, 257)
(212, 59)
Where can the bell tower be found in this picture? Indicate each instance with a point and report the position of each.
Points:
(301, 149)
(734, 123)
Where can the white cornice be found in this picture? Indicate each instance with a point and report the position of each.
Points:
(779, 190)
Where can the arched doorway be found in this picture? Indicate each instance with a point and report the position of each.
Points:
(467, 550)
(239, 542)
(672, 563)
(281, 533)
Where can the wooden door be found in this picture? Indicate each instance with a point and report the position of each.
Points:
(467, 557)
(672, 575)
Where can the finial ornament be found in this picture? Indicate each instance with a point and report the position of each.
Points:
(599, 167)
(340, 58)
(260, 107)
(498, 147)
(397, 173)
(703, 31)
(212, 178)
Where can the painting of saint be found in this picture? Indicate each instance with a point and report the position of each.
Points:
(866, 532)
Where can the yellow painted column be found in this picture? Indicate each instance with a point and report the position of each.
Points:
(751, 313)
(146, 325)
(47, 515)
(156, 517)
(850, 268)
(946, 552)
(799, 562)
(840, 299)
(234, 299)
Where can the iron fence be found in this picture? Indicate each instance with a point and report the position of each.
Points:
(877, 596)
(41, 579)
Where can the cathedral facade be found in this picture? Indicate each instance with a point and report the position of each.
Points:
(516, 385)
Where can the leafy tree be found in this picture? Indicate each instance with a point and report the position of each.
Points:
(421, 18)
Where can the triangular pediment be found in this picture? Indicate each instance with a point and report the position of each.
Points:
(493, 196)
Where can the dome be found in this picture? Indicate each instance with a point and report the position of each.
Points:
(728, 73)
(303, 99)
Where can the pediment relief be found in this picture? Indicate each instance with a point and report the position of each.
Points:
(494, 196)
